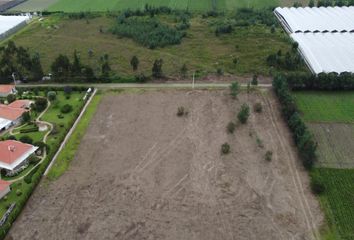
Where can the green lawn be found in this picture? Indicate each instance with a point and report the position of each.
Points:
(338, 200)
(201, 50)
(326, 106)
(68, 153)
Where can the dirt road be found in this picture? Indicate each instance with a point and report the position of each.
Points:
(141, 172)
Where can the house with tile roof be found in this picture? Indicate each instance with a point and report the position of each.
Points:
(10, 116)
(14, 156)
(6, 90)
(4, 188)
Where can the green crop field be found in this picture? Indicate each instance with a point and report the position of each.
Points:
(330, 117)
(338, 200)
(200, 49)
(335, 107)
(113, 5)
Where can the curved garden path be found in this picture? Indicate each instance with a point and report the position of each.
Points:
(44, 140)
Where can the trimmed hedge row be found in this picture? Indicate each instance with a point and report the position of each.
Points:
(322, 81)
(303, 138)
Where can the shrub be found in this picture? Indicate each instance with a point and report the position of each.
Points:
(28, 178)
(51, 95)
(11, 98)
(317, 186)
(40, 104)
(181, 111)
(26, 117)
(26, 139)
(231, 126)
(258, 108)
(234, 89)
(225, 148)
(244, 113)
(66, 108)
(268, 156)
(18, 192)
(254, 81)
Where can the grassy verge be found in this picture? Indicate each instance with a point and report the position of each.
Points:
(68, 152)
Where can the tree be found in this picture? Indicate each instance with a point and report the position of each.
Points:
(244, 113)
(51, 95)
(311, 3)
(61, 68)
(157, 68)
(254, 80)
(26, 117)
(11, 98)
(134, 62)
(66, 108)
(76, 66)
(184, 71)
(234, 89)
(40, 104)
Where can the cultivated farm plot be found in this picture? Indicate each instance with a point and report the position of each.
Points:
(116, 5)
(142, 172)
(335, 144)
(335, 107)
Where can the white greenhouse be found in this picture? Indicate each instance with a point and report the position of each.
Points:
(9, 24)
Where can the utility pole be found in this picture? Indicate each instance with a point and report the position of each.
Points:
(193, 80)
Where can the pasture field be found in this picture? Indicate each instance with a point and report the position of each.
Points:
(142, 172)
(337, 200)
(322, 107)
(117, 5)
(200, 50)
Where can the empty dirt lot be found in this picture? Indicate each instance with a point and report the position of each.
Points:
(141, 172)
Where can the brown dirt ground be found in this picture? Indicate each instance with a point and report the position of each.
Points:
(141, 172)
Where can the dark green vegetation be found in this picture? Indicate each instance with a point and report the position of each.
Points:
(302, 136)
(243, 51)
(18, 60)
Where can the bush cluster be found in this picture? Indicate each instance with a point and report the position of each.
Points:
(149, 32)
(303, 138)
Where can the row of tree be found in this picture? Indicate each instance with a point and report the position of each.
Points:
(322, 81)
(17, 63)
(303, 138)
(328, 3)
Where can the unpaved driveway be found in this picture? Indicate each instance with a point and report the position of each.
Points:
(141, 172)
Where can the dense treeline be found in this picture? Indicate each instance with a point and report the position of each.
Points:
(64, 70)
(328, 3)
(251, 16)
(17, 62)
(322, 81)
(302, 136)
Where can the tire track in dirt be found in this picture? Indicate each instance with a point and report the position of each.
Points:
(295, 175)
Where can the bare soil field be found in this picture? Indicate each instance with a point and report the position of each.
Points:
(141, 172)
(335, 144)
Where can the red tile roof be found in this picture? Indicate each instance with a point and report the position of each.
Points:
(6, 88)
(11, 150)
(19, 103)
(3, 185)
(10, 113)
